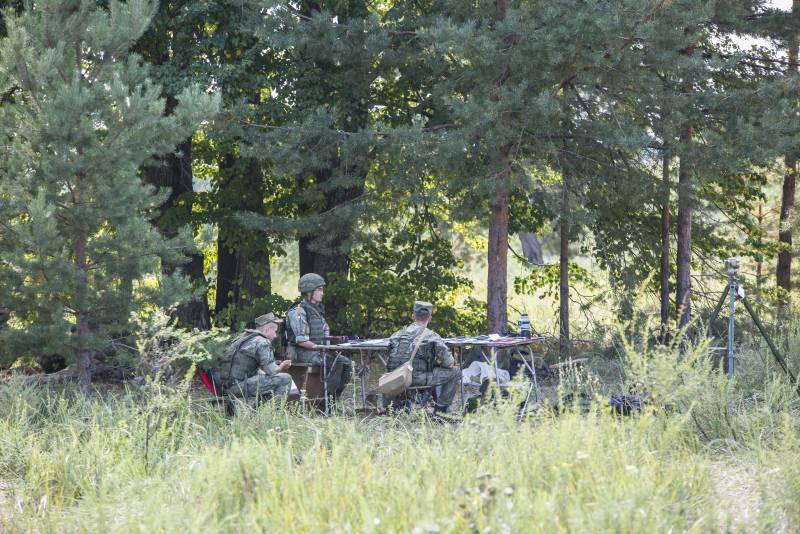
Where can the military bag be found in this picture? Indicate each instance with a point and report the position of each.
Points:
(285, 333)
(395, 382)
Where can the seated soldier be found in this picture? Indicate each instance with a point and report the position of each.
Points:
(249, 371)
(433, 364)
(307, 330)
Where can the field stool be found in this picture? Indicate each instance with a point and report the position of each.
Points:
(309, 380)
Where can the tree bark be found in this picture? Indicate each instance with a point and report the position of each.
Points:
(683, 297)
(497, 286)
(783, 274)
(563, 271)
(84, 354)
(243, 269)
(497, 277)
(760, 261)
(665, 252)
(325, 250)
(175, 172)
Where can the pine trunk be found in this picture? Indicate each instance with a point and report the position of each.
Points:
(760, 261)
(784, 268)
(497, 286)
(665, 256)
(326, 252)
(497, 277)
(683, 297)
(84, 356)
(174, 171)
(563, 273)
(783, 275)
(243, 269)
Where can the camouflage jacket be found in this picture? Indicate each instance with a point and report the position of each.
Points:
(247, 353)
(432, 352)
(307, 323)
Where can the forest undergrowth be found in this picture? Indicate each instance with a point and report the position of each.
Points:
(704, 454)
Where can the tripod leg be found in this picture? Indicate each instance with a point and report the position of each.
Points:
(720, 304)
(768, 339)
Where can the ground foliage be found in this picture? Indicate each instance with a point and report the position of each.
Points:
(154, 458)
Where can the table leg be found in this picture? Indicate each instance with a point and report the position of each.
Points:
(494, 364)
(533, 374)
(534, 388)
(461, 378)
(363, 380)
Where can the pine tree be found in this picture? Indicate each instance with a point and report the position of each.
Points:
(784, 267)
(79, 252)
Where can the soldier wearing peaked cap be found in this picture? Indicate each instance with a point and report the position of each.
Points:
(250, 371)
(433, 364)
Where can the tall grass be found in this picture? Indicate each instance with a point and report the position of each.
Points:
(117, 465)
(158, 462)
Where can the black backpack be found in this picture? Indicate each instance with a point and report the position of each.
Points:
(286, 334)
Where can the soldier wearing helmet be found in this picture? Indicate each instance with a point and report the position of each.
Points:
(308, 329)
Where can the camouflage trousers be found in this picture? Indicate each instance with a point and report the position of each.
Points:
(445, 380)
(260, 387)
(339, 367)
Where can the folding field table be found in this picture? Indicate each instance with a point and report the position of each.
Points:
(368, 349)
(492, 344)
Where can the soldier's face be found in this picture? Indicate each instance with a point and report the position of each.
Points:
(317, 294)
(270, 330)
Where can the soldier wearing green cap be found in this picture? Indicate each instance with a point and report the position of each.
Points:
(250, 371)
(307, 330)
(433, 364)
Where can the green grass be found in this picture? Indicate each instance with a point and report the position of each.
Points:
(125, 464)
(707, 455)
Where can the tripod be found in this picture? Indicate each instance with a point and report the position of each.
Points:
(733, 292)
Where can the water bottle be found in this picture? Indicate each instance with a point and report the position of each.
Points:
(326, 334)
(524, 325)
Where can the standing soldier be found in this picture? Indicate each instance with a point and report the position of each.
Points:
(433, 364)
(249, 370)
(307, 330)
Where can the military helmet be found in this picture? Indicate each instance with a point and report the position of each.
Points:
(309, 282)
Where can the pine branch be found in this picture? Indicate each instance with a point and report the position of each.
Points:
(302, 16)
(345, 133)
(627, 43)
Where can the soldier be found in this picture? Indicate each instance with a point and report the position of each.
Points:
(251, 372)
(307, 330)
(433, 364)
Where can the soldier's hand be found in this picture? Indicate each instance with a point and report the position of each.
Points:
(285, 364)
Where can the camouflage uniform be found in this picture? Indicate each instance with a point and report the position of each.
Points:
(431, 363)
(249, 352)
(307, 322)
